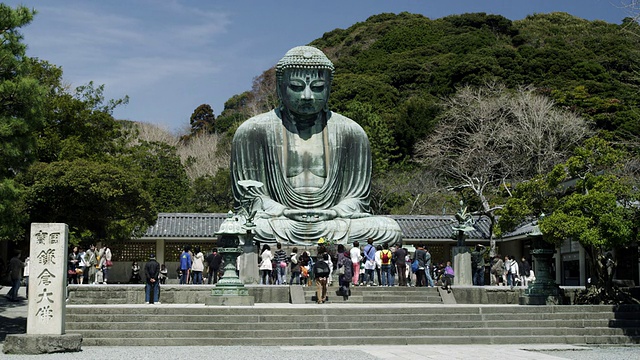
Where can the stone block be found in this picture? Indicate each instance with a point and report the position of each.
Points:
(230, 300)
(447, 296)
(462, 266)
(296, 293)
(41, 344)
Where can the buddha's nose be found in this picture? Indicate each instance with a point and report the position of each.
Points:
(307, 93)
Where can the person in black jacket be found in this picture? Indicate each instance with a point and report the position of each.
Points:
(214, 260)
(16, 267)
(321, 272)
(152, 272)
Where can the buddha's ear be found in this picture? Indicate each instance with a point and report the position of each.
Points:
(280, 102)
(328, 76)
(279, 89)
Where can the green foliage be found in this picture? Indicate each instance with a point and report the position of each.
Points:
(364, 89)
(161, 173)
(557, 52)
(21, 96)
(235, 112)
(586, 199)
(21, 114)
(414, 119)
(212, 193)
(78, 124)
(97, 198)
(202, 120)
(380, 136)
(11, 211)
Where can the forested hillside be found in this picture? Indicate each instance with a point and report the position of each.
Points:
(453, 107)
(394, 72)
(403, 64)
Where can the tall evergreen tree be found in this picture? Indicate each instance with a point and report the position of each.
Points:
(202, 120)
(21, 113)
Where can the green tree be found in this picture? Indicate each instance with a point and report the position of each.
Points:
(212, 193)
(588, 199)
(98, 200)
(383, 145)
(161, 173)
(236, 110)
(202, 120)
(21, 113)
(78, 124)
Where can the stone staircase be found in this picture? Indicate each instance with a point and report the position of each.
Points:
(379, 295)
(352, 324)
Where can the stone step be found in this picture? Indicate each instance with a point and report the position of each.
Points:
(164, 324)
(358, 324)
(206, 332)
(384, 339)
(391, 310)
(362, 318)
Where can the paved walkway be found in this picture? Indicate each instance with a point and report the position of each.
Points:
(13, 321)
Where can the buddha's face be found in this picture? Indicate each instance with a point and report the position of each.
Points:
(305, 91)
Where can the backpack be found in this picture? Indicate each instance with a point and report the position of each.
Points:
(415, 266)
(322, 269)
(347, 264)
(385, 257)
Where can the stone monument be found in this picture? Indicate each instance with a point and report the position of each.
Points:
(47, 300)
(315, 164)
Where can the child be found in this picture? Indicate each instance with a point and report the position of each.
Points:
(99, 276)
(447, 277)
(164, 273)
(135, 273)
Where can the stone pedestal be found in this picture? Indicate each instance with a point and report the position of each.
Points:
(41, 344)
(462, 266)
(249, 272)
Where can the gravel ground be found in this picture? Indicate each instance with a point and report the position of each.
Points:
(200, 352)
(476, 352)
(598, 353)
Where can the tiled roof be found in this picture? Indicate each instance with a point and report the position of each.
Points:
(522, 231)
(436, 227)
(414, 227)
(183, 225)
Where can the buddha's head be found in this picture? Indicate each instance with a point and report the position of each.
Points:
(303, 78)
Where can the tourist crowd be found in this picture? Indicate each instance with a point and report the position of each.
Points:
(90, 266)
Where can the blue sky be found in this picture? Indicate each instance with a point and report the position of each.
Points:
(170, 56)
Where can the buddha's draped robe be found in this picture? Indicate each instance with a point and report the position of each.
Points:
(261, 151)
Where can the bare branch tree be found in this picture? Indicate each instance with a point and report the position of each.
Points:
(632, 7)
(152, 133)
(490, 134)
(204, 154)
(420, 189)
(263, 93)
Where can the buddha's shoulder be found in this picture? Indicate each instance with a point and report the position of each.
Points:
(344, 122)
(259, 121)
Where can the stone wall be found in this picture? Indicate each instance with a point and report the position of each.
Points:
(170, 294)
